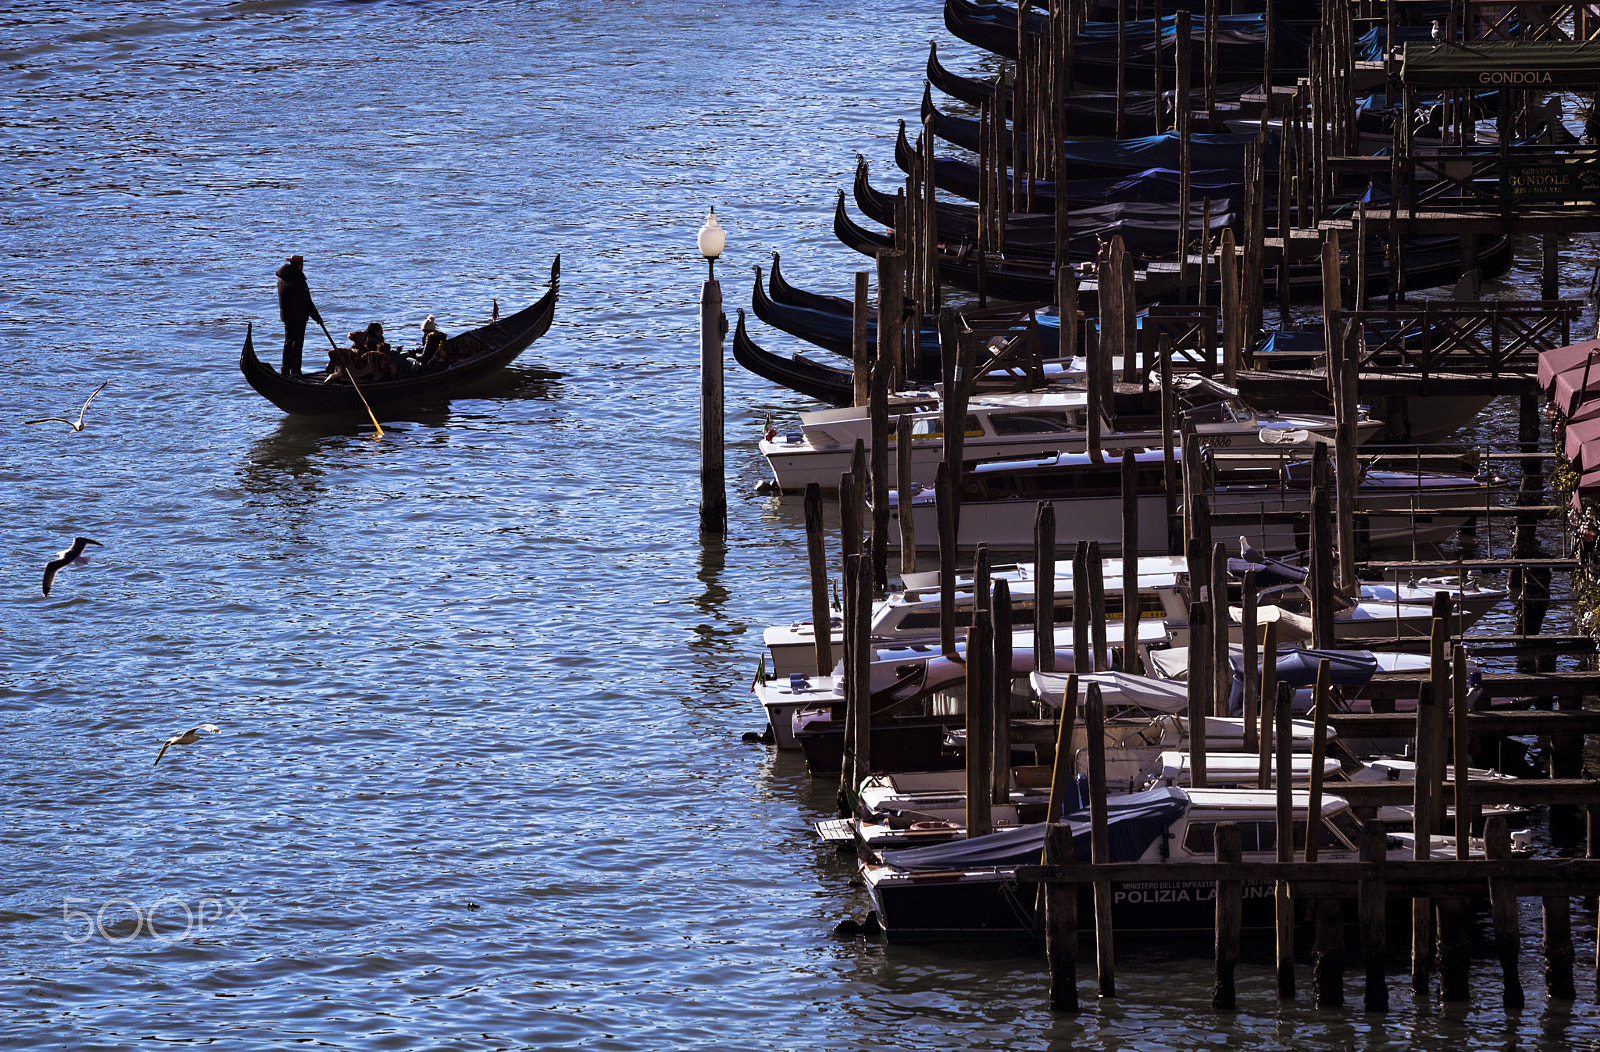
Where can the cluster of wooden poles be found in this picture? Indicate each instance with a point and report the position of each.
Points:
(1440, 890)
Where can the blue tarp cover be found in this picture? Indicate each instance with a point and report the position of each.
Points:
(1162, 151)
(1298, 668)
(1135, 820)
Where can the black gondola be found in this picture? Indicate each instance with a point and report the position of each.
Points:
(1087, 113)
(1240, 44)
(826, 321)
(961, 178)
(825, 383)
(487, 349)
(1148, 229)
(1430, 262)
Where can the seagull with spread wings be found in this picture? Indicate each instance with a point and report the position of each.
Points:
(78, 426)
(188, 737)
(73, 556)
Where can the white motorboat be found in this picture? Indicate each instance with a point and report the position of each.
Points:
(998, 499)
(1016, 424)
(967, 889)
(911, 615)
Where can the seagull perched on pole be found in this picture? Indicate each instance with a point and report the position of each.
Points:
(73, 556)
(75, 426)
(1438, 34)
(188, 737)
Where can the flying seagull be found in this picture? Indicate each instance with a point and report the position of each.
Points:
(73, 556)
(188, 737)
(75, 426)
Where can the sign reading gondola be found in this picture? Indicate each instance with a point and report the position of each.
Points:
(1550, 65)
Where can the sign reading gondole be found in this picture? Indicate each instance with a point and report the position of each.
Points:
(1577, 180)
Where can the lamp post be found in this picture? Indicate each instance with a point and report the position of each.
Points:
(713, 327)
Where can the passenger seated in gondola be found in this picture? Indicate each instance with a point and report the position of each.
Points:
(433, 340)
(379, 356)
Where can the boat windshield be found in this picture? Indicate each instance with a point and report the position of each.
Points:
(1031, 424)
(1201, 837)
(933, 427)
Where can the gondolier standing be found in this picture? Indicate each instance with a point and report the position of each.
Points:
(296, 309)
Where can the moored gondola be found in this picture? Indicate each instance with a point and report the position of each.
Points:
(1155, 183)
(827, 321)
(1240, 43)
(825, 383)
(474, 356)
(1430, 262)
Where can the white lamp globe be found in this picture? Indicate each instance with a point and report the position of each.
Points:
(712, 237)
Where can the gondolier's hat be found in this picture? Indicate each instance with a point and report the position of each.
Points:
(297, 259)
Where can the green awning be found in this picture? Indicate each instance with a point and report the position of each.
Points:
(1549, 65)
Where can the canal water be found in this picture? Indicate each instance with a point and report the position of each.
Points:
(479, 781)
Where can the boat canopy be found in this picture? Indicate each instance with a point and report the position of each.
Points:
(1298, 668)
(1134, 821)
(1549, 65)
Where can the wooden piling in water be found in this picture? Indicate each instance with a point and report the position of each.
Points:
(849, 515)
(1372, 908)
(1248, 633)
(1459, 751)
(1082, 661)
(980, 704)
(1061, 921)
(1229, 919)
(1199, 685)
(1171, 482)
(908, 526)
(1221, 668)
(1000, 691)
(1503, 914)
(1557, 949)
(1269, 700)
(945, 504)
(1044, 587)
(860, 350)
(817, 563)
(1327, 957)
(1130, 562)
(1094, 725)
(1422, 826)
(878, 471)
(858, 680)
(1096, 584)
(1285, 841)
(1321, 578)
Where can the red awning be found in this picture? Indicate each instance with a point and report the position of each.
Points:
(1582, 437)
(1563, 358)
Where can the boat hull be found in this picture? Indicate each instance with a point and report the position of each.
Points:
(501, 342)
(996, 906)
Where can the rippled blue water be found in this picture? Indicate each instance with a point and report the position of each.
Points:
(480, 685)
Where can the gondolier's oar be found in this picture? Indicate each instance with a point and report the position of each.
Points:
(352, 377)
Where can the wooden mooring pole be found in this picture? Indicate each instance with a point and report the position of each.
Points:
(1044, 587)
(1094, 725)
(903, 475)
(1230, 907)
(1285, 839)
(713, 484)
(1130, 562)
(817, 559)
